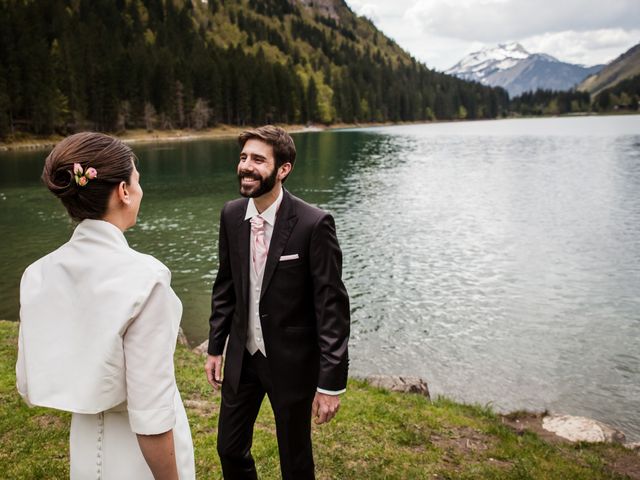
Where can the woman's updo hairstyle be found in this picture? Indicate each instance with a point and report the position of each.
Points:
(112, 160)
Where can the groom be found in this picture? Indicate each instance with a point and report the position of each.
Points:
(279, 300)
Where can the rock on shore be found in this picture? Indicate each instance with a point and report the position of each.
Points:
(399, 384)
(182, 338)
(202, 348)
(581, 429)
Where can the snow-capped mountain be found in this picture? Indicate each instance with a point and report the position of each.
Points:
(512, 67)
(482, 64)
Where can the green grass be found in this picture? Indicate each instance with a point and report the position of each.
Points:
(376, 435)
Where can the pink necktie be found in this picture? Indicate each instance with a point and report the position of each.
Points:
(259, 244)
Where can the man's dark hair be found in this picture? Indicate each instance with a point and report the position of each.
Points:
(284, 150)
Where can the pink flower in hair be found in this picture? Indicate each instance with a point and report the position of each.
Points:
(83, 178)
(91, 173)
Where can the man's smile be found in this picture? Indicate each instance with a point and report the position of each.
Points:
(247, 181)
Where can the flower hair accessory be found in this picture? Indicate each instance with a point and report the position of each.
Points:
(82, 177)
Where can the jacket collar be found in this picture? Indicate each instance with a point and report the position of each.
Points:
(285, 222)
(269, 215)
(99, 230)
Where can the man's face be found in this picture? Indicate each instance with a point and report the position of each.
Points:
(257, 172)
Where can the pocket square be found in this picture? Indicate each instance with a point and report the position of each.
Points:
(284, 258)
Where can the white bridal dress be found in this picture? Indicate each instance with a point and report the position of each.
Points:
(98, 329)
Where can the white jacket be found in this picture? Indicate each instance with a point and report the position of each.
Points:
(98, 327)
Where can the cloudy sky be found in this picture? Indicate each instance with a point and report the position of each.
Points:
(441, 32)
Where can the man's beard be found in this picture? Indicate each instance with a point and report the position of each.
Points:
(265, 185)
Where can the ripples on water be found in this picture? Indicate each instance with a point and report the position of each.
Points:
(502, 266)
(498, 260)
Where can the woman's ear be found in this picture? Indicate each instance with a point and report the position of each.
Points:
(123, 193)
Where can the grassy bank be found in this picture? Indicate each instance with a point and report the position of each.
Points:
(376, 435)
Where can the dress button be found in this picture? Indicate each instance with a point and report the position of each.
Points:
(259, 339)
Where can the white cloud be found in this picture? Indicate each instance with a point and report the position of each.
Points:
(441, 32)
(496, 20)
(586, 48)
(366, 9)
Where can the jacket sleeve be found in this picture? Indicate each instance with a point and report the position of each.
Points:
(149, 344)
(331, 304)
(223, 298)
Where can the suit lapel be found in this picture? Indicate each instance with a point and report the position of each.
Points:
(244, 233)
(285, 221)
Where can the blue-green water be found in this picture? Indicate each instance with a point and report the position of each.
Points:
(499, 260)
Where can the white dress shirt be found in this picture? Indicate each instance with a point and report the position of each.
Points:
(255, 340)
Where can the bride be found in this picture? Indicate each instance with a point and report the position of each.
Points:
(98, 325)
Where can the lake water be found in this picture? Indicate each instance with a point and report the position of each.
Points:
(499, 260)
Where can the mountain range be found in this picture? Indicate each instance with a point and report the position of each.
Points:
(513, 68)
(624, 67)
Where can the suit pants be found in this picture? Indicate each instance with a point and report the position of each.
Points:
(238, 413)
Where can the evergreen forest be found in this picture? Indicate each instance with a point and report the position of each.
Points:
(625, 95)
(551, 102)
(114, 65)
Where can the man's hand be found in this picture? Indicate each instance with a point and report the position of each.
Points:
(213, 368)
(324, 407)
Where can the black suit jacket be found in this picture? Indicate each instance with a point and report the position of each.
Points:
(304, 307)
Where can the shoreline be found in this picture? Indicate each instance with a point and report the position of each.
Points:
(24, 141)
(141, 136)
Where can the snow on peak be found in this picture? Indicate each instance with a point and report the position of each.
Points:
(511, 66)
(490, 59)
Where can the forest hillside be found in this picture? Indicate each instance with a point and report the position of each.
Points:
(68, 65)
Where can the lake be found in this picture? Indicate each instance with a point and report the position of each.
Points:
(499, 260)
